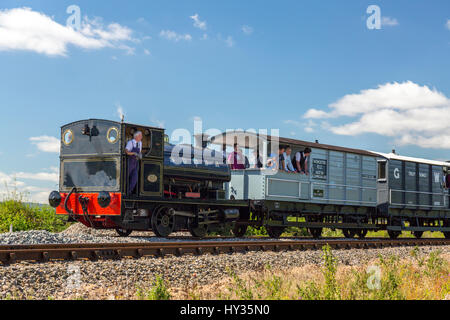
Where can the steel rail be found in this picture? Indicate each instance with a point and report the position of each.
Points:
(96, 251)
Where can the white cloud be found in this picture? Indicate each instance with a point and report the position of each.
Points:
(28, 30)
(10, 183)
(41, 176)
(247, 30)
(388, 21)
(172, 35)
(448, 24)
(229, 41)
(46, 143)
(409, 113)
(308, 126)
(146, 52)
(204, 37)
(197, 23)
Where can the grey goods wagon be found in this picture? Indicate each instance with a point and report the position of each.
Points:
(346, 189)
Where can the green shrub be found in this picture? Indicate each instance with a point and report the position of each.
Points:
(24, 217)
(158, 291)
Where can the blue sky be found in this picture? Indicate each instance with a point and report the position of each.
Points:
(309, 68)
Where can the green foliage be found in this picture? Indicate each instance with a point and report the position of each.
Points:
(255, 231)
(23, 216)
(391, 280)
(330, 290)
(329, 233)
(239, 287)
(435, 263)
(158, 291)
(296, 232)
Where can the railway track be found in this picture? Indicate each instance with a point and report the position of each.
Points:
(52, 252)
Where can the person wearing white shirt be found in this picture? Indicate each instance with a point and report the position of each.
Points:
(288, 167)
(134, 151)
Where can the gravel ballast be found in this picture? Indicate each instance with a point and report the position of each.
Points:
(78, 233)
(112, 279)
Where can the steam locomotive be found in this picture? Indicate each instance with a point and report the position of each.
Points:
(170, 196)
(182, 187)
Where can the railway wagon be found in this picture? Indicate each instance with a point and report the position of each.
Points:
(350, 189)
(171, 194)
(414, 194)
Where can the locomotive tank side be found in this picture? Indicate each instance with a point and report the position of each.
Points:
(199, 163)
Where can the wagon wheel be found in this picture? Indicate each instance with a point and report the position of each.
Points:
(240, 230)
(197, 230)
(123, 232)
(361, 233)
(348, 233)
(315, 232)
(446, 233)
(163, 222)
(418, 234)
(274, 232)
(394, 234)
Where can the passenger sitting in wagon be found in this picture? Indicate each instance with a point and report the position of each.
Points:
(301, 161)
(236, 159)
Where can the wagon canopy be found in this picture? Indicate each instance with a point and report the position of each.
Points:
(251, 140)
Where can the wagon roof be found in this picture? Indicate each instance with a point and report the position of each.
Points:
(393, 156)
(230, 138)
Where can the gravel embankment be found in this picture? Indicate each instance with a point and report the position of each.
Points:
(119, 279)
(78, 233)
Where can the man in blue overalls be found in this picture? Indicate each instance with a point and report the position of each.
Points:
(133, 150)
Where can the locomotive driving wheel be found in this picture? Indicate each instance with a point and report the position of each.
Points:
(163, 222)
(197, 230)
